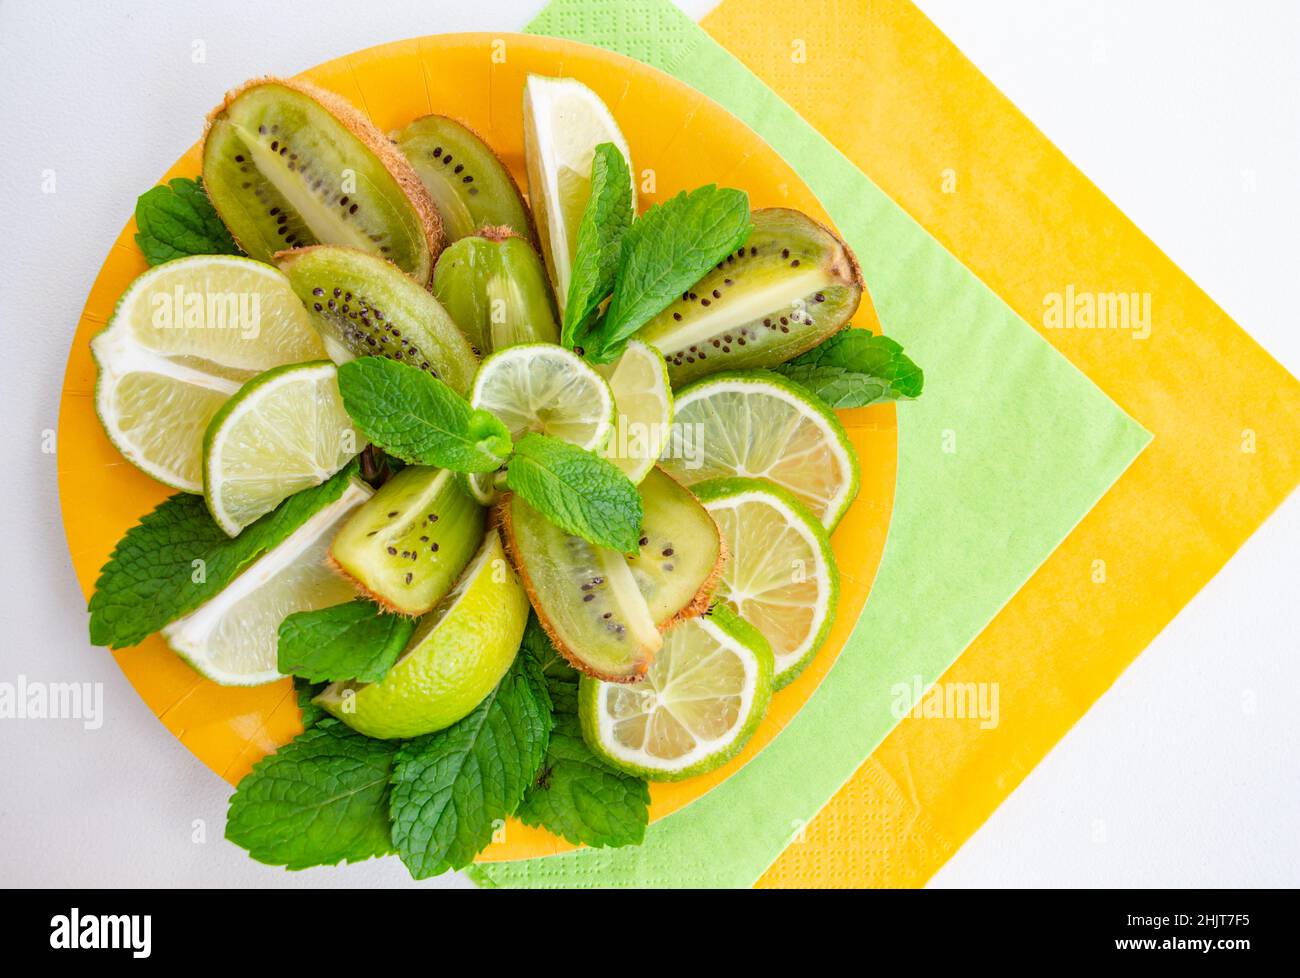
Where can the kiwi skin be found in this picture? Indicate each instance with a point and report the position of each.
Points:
(365, 131)
(500, 520)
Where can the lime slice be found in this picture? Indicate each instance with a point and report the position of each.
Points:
(703, 697)
(544, 388)
(284, 431)
(564, 122)
(643, 402)
(759, 425)
(780, 574)
(232, 638)
(183, 338)
(459, 652)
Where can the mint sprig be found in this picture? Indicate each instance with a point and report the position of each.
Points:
(578, 491)
(666, 251)
(317, 801)
(576, 795)
(177, 557)
(452, 787)
(854, 368)
(600, 237)
(308, 712)
(176, 220)
(416, 417)
(355, 640)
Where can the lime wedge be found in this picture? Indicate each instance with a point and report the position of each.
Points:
(705, 693)
(285, 430)
(544, 388)
(232, 638)
(564, 122)
(643, 403)
(459, 652)
(759, 425)
(183, 338)
(780, 574)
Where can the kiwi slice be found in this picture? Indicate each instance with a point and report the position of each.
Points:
(585, 596)
(406, 546)
(288, 164)
(681, 554)
(496, 289)
(363, 306)
(469, 184)
(791, 285)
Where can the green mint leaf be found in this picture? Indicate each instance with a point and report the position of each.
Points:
(667, 250)
(537, 644)
(854, 368)
(449, 788)
(308, 712)
(320, 799)
(576, 796)
(176, 220)
(416, 417)
(356, 640)
(600, 238)
(177, 557)
(578, 491)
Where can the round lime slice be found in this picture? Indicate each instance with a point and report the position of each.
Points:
(285, 430)
(544, 388)
(759, 425)
(705, 693)
(780, 575)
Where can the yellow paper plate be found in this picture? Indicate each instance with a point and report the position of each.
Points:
(679, 139)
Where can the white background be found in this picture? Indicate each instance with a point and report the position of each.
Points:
(1185, 773)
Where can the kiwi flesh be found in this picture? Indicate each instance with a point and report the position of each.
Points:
(405, 548)
(790, 286)
(681, 551)
(585, 596)
(288, 164)
(495, 287)
(363, 306)
(469, 184)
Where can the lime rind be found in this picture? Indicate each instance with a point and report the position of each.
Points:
(731, 635)
(762, 382)
(718, 493)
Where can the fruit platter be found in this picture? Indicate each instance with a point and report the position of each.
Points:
(482, 471)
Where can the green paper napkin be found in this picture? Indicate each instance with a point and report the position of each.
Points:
(1007, 450)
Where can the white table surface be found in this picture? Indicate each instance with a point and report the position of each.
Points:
(1185, 773)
